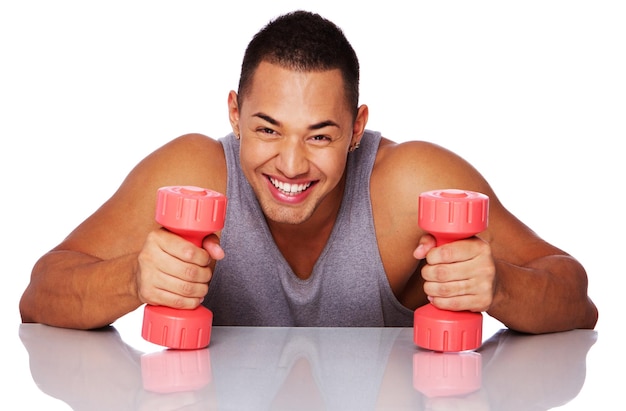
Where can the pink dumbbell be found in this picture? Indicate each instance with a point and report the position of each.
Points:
(450, 215)
(193, 213)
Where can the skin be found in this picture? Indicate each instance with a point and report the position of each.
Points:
(296, 128)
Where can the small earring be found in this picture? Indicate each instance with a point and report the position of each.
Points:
(237, 136)
(354, 146)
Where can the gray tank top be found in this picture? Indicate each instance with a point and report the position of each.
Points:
(255, 286)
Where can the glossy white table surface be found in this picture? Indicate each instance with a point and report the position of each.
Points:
(300, 368)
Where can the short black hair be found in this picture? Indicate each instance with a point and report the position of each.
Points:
(302, 41)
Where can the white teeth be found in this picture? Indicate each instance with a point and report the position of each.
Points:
(288, 188)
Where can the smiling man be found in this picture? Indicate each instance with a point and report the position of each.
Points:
(321, 222)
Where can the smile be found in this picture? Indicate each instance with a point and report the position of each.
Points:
(290, 189)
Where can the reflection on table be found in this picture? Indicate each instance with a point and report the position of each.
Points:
(305, 368)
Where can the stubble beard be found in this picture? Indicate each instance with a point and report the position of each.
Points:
(287, 214)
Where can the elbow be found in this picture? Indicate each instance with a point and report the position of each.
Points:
(29, 299)
(25, 308)
(587, 317)
(591, 316)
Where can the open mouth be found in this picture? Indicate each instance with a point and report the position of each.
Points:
(289, 189)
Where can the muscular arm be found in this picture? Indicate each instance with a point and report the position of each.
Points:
(518, 278)
(557, 300)
(74, 290)
(538, 287)
(90, 279)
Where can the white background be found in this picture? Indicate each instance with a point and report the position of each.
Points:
(532, 93)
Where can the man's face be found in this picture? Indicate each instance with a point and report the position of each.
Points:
(296, 129)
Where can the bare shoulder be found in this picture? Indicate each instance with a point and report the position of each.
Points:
(120, 225)
(191, 159)
(425, 166)
(404, 170)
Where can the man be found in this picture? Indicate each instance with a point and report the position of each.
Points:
(321, 225)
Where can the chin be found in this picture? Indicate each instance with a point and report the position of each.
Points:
(286, 215)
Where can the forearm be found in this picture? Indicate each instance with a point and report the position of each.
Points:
(547, 295)
(74, 290)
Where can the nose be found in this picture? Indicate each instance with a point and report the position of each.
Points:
(292, 159)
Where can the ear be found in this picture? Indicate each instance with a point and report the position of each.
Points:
(360, 122)
(233, 112)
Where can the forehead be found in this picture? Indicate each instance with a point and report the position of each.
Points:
(275, 84)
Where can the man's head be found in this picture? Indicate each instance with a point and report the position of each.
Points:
(302, 41)
(297, 118)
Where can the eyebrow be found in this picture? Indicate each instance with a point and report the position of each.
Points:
(316, 126)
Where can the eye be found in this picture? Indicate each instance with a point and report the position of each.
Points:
(321, 139)
(266, 133)
(265, 130)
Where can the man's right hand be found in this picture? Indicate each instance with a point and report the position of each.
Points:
(174, 272)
